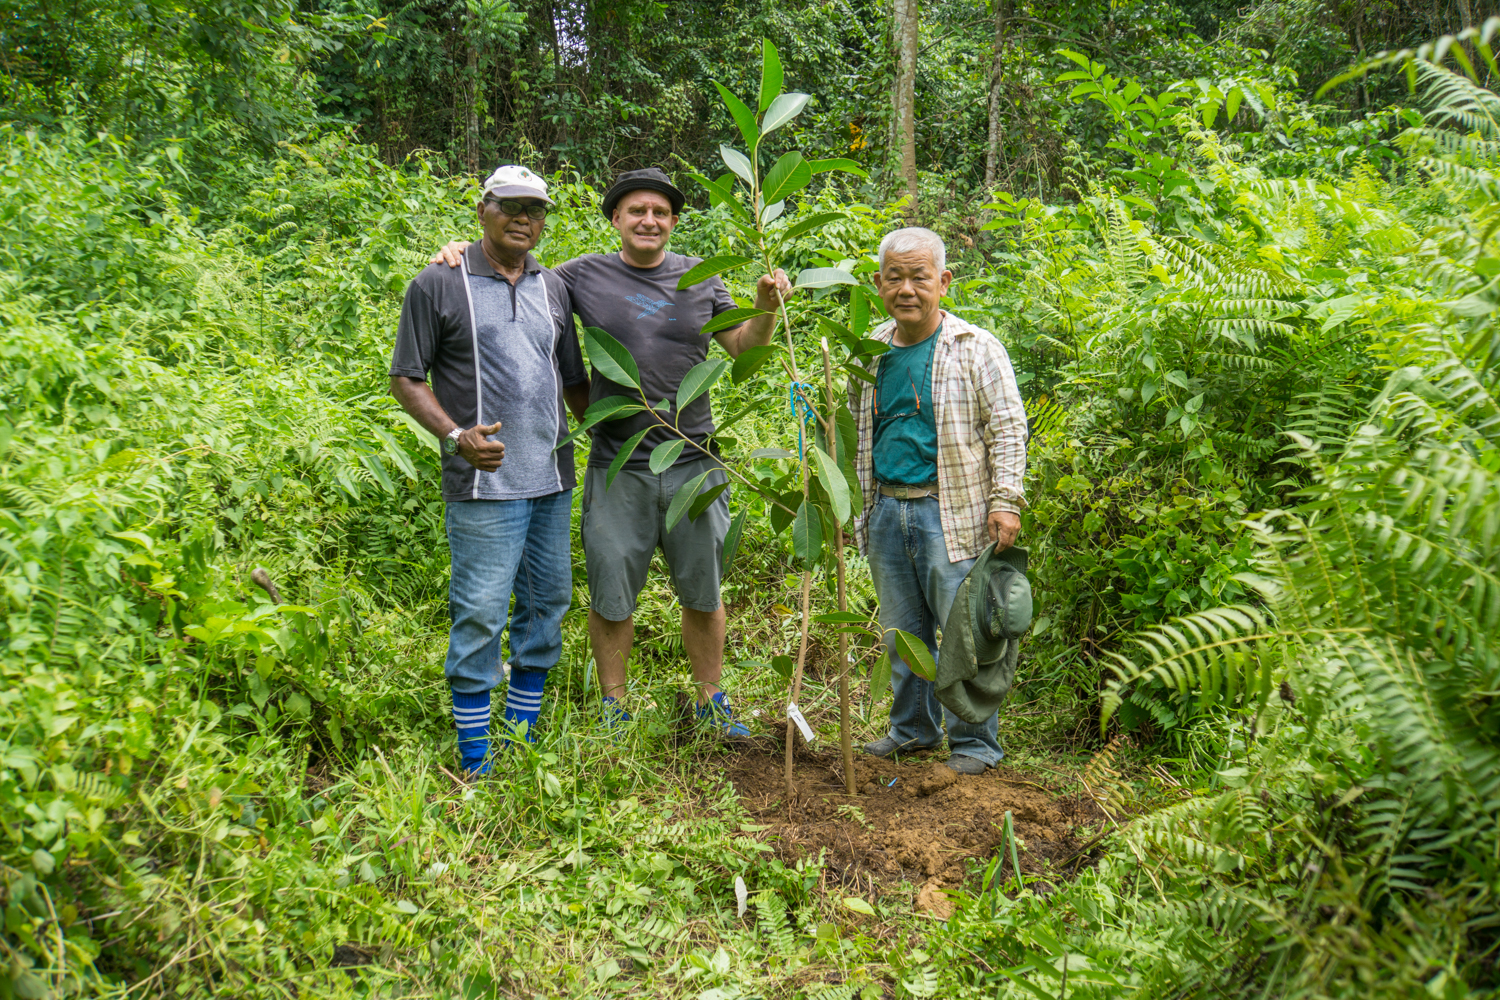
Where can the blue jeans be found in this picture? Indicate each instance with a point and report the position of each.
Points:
(915, 584)
(501, 547)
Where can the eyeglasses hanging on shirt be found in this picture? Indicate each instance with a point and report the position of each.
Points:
(885, 402)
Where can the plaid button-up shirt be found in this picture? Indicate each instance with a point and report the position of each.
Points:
(981, 434)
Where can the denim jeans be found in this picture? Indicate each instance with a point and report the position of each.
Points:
(499, 548)
(915, 584)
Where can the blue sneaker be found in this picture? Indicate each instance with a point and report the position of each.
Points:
(718, 715)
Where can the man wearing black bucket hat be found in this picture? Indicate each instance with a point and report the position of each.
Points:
(632, 295)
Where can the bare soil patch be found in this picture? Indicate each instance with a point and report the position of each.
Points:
(915, 820)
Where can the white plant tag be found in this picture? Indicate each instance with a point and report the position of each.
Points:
(800, 720)
(741, 894)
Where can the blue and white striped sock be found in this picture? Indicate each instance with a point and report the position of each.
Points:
(471, 715)
(523, 699)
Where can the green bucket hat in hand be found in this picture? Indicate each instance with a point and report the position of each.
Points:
(982, 636)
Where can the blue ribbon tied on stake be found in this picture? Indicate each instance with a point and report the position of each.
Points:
(796, 400)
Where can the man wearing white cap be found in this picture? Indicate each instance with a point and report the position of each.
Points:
(496, 337)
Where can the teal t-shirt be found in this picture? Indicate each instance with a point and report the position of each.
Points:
(905, 449)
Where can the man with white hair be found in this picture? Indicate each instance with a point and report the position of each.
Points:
(497, 338)
(941, 458)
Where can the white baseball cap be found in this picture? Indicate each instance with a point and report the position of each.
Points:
(511, 181)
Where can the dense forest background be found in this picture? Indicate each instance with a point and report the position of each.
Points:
(601, 87)
(1245, 259)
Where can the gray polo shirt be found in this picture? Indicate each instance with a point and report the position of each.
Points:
(527, 349)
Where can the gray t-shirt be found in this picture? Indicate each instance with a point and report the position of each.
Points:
(527, 346)
(661, 327)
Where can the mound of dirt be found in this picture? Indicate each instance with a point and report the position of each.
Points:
(916, 820)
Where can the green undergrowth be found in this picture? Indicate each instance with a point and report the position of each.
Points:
(205, 791)
(1263, 523)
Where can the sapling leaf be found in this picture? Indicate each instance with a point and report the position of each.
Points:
(664, 454)
(825, 277)
(608, 408)
(807, 535)
(772, 213)
(702, 500)
(858, 373)
(770, 74)
(721, 192)
(749, 362)
(682, 499)
(808, 225)
(739, 163)
(610, 358)
(914, 653)
(838, 332)
(699, 379)
(848, 435)
(789, 175)
(859, 311)
(708, 268)
(751, 234)
(880, 678)
(626, 450)
(732, 540)
(742, 115)
(841, 618)
(772, 453)
(782, 110)
(731, 317)
(833, 481)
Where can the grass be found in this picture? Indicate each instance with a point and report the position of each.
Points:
(593, 863)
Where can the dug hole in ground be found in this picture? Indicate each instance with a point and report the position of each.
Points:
(916, 822)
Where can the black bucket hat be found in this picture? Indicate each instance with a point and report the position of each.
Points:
(982, 636)
(650, 179)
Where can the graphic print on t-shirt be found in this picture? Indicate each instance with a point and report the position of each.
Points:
(648, 304)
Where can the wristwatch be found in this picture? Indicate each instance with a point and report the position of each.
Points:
(450, 443)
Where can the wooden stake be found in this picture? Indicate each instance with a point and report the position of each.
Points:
(796, 691)
(846, 738)
(791, 727)
(831, 432)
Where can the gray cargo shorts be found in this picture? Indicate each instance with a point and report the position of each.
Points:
(624, 526)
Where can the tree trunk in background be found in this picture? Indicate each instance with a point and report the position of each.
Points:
(908, 22)
(1466, 20)
(992, 151)
(471, 115)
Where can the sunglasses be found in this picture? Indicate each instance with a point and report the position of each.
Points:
(512, 207)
